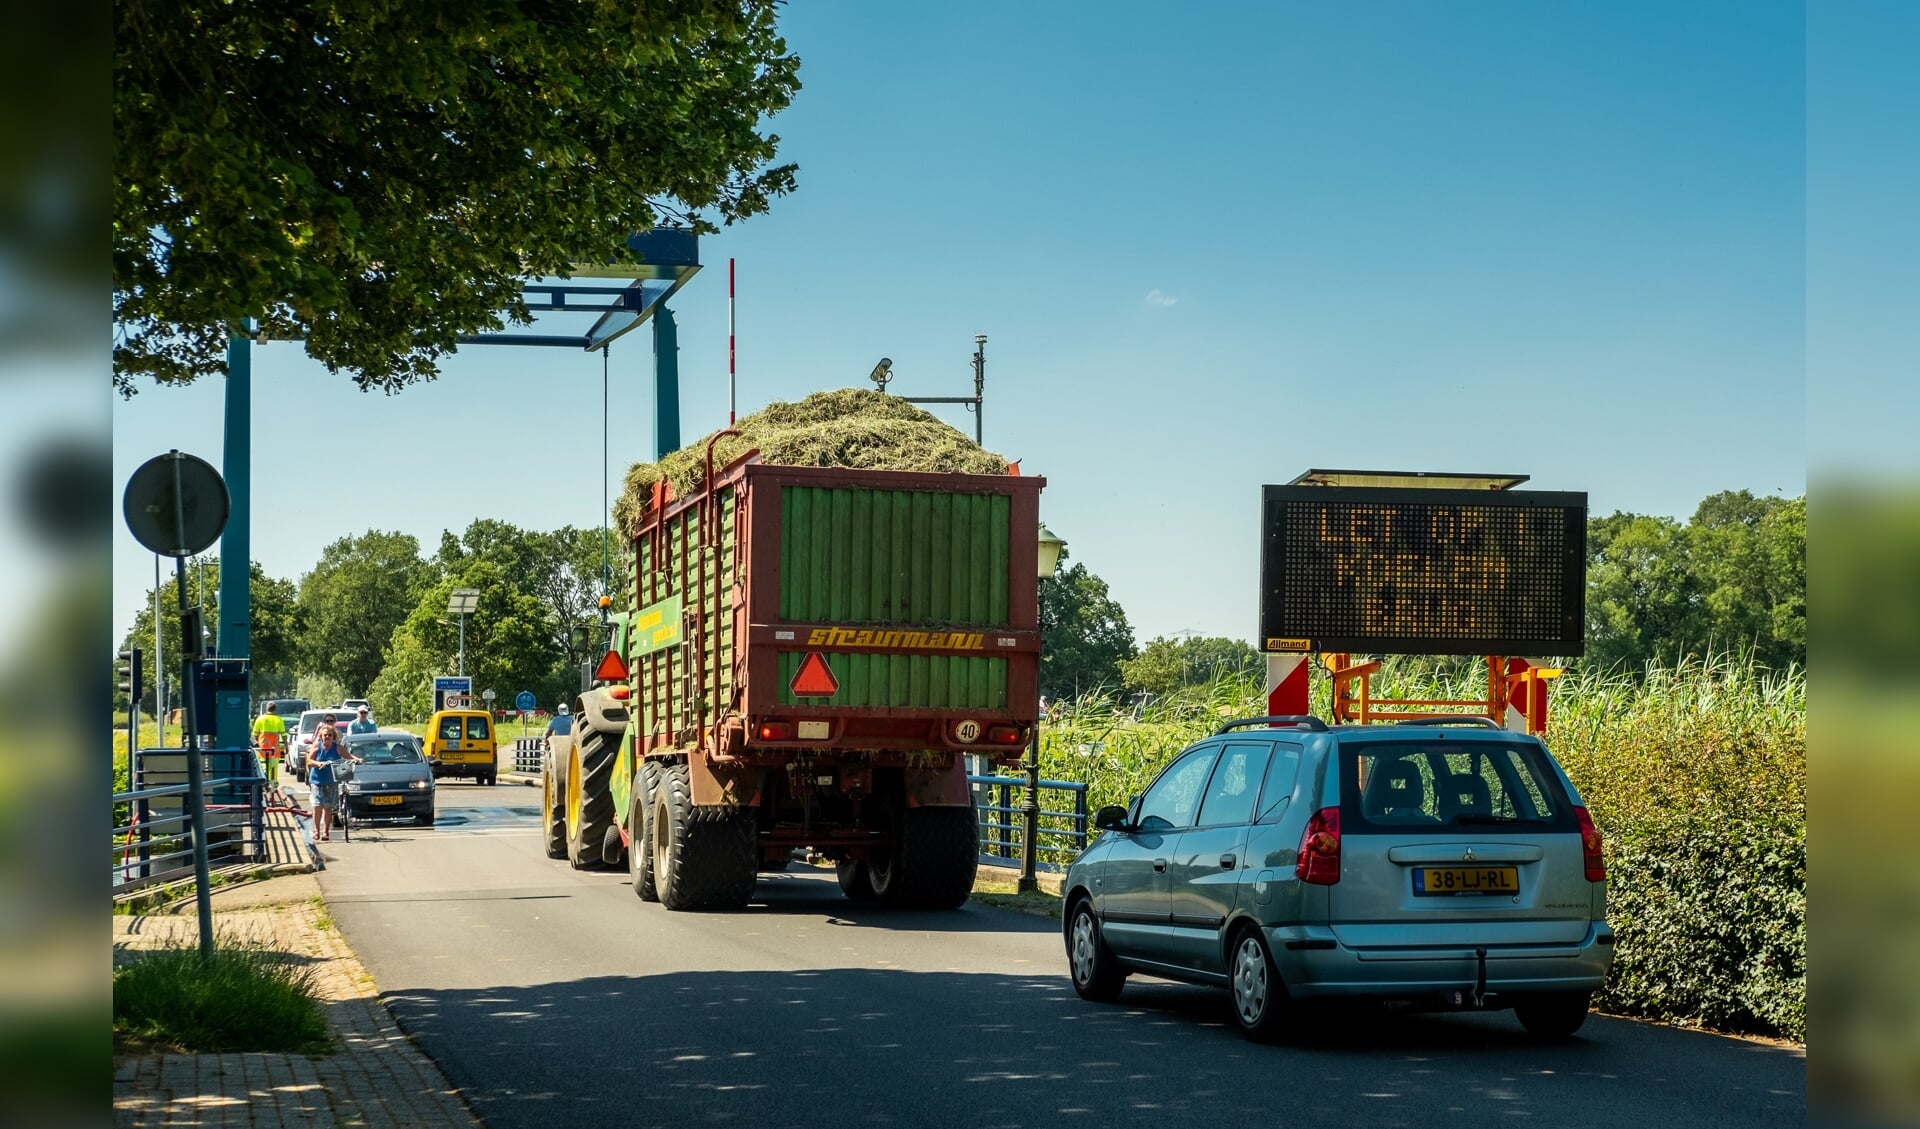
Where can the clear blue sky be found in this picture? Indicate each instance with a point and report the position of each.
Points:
(1210, 250)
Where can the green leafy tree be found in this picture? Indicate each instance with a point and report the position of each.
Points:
(273, 629)
(509, 646)
(1085, 636)
(1165, 665)
(1643, 599)
(562, 569)
(350, 603)
(375, 178)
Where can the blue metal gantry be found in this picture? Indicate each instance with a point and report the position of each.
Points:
(658, 263)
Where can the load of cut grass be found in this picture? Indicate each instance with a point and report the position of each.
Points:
(850, 427)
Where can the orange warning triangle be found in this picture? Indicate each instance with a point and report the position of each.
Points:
(611, 669)
(814, 679)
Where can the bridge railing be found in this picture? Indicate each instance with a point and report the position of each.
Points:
(153, 830)
(1061, 828)
(527, 752)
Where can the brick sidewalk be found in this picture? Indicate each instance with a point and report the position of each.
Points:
(376, 1077)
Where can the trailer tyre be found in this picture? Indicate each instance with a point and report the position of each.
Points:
(855, 881)
(935, 858)
(640, 828)
(704, 857)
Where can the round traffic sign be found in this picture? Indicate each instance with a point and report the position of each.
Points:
(524, 700)
(175, 504)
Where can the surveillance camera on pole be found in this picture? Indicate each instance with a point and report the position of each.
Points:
(882, 373)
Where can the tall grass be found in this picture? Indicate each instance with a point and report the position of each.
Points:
(1695, 771)
(245, 997)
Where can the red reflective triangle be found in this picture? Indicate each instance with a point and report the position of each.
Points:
(611, 669)
(815, 678)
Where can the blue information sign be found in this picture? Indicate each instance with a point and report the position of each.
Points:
(524, 700)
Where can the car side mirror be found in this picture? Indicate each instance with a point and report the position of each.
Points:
(1113, 817)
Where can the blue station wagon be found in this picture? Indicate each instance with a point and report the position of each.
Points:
(1447, 864)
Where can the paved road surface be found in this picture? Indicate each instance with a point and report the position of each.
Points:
(557, 998)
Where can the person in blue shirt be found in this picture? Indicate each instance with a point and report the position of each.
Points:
(362, 724)
(327, 753)
(562, 723)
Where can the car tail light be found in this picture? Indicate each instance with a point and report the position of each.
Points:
(1005, 735)
(1319, 861)
(619, 692)
(775, 731)
(1590, 846)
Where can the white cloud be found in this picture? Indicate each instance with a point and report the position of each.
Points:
(1160, 298)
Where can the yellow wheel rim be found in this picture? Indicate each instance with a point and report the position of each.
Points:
(573, 796)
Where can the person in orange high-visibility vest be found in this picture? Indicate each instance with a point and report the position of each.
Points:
(268, 734)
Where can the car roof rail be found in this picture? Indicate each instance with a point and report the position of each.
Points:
(1454, 719)
(1295, 720)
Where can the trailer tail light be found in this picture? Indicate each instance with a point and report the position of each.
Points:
(1591, 846)
(1005, 735)
(775, 731)
(620, 692)
(1319, 861)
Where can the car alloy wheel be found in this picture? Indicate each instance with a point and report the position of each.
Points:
(1085, 955)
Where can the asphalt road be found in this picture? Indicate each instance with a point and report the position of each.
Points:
(558, 998)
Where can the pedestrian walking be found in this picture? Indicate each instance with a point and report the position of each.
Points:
(269, 734)
(323, 775)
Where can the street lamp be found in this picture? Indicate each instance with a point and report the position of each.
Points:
(462, 602)
(1048, 560)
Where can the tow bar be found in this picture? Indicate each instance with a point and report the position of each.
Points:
(1480, 980)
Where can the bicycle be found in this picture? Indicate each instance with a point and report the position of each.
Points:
(343, 811)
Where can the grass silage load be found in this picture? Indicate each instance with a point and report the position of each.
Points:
(851, 427)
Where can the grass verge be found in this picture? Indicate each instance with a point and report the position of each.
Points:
(243, 998)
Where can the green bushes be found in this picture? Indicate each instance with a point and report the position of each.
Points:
(243, 998)
(1695, 773)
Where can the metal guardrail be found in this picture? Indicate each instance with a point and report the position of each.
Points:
(527, 754)
(1061, 832)
(153, 847)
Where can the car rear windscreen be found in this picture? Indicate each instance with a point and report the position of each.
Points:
(1451, 786)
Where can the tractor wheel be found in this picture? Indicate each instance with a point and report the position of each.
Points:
(590, 797)
(703, 857)
(553, 804)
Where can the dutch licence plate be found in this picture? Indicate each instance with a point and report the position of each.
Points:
(1466, 880)
(381, 801)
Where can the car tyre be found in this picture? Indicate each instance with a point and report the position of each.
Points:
(1553, 1017)
(1096, 972)
(1259, 995)
(423, 820)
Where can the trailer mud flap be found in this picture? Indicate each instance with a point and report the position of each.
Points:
(939, 787)
(729, 785)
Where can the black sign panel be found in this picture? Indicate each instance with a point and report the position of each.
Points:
(1430, 572)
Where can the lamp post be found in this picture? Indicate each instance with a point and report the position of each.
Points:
(1049, 559)
(462, 602)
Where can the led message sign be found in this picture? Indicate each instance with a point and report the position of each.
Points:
(1413, 571)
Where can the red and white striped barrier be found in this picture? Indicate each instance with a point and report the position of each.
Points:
(1286, 685)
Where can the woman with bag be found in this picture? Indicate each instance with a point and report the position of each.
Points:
(327, 753)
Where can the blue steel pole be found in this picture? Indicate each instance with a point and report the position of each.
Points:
(236, 552)
(666, 383)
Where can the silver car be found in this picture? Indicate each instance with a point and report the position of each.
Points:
(1448, 864)
(393, 781)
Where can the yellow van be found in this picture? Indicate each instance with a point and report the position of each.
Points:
(462, 743)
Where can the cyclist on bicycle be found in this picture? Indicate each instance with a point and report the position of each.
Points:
(327, 753)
